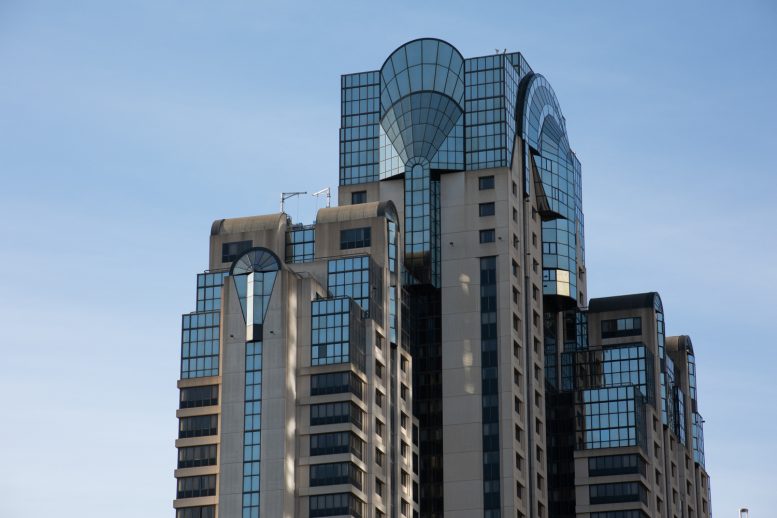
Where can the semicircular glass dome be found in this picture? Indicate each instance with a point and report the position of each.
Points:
(422, 93)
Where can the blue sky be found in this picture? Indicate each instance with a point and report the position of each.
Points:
(127, 127)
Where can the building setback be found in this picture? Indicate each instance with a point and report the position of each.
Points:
(427, 348)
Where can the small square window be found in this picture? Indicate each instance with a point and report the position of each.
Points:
(358, 197)
(486, 209)
(486, 182)
(487, 235)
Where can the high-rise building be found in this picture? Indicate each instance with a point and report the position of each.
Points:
(426, 348)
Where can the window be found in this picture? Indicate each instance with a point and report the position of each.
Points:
(200, 343)
(336, 383)
(197, 426)
(515, 189)
(486, 209)
(379, 455)
(193, 487)
(379, 398)
(378, 369)
(403, 418)
(197, 456)
(337, 442)
(335, 505)
(379, 428)
(331, 333)
(615, 465)
(233, 250)
(202, 511)
(300, 244)
(379, 487)
(358, 197)
(487, 235)
(404, 363)
(338, 412)
(336, 473)
(617, 492)
(403, 449)
(486, 182)
(192, 397)
(515, 214)
(621, 327)
(403, 391)
(355, 238)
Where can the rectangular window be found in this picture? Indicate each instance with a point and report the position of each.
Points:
(197, 456)
(337, 442)
(487, 235)
(200, 511)
(200, 344)
(192, 397)
(339, 412)
(336, 504)
(615, 465)
(617, 492)
(355, 238)
(486, 209)
(336, 383)
(233, 250)
(193, 487)
(198, 426)
(331, 340)
(616, 328)
(336, 473)
(358, 197)
(300, 244)
(486, 182)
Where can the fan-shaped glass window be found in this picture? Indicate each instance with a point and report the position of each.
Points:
(254, 275)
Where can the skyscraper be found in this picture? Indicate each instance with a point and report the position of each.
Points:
(426, 348)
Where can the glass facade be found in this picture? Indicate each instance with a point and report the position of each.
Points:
(336, 333)
(355, 277)
(612, 418)
(489, 360)
(300, 243)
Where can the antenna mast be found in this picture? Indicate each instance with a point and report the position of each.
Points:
(328, 193)
(286, 195)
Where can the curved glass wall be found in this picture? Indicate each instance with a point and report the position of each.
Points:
(555, 173)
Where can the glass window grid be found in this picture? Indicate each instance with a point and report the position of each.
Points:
(611, 418)
(630, 513)
(336, 383)
(197, 456)
(698, 438)
(486, 209)
(616, 465)
(192, 397)
(200, 511)
(485, 109)
(359, 127)
(336, 413)
(198, 426)
(233, 250)
(252, 429)
(300, 244)
(200, 344)
(335, 473)
(351, 277)
(336, 442)
(550, 349)
(489, 359)
(617, 492)
(679, 406)
(209, 290)
(620, 365)
(337, 335)
(335, 504)
(355, 238)
(198, 486)
(620, 327)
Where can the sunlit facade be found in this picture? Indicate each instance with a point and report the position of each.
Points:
(427, 348)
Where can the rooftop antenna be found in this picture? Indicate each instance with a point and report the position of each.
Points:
(328, 195)
(286, 195)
